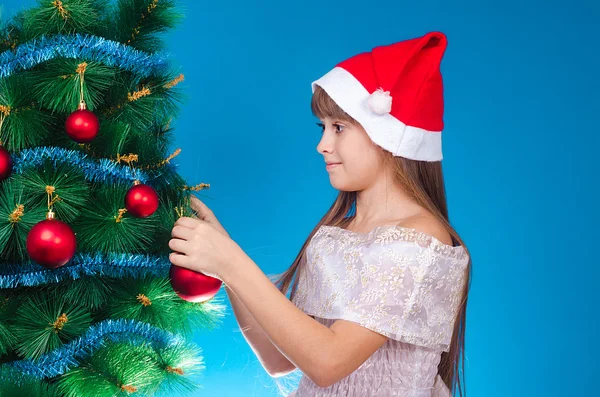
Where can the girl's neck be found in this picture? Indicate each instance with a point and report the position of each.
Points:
(383, 206)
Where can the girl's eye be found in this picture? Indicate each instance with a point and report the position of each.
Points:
(338, 127)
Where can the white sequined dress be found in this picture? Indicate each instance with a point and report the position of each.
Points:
(396, 281)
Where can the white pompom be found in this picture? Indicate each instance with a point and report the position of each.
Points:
(380, 101)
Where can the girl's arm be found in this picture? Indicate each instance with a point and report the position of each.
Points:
(325, 355)
(271, 359)
(275, 363)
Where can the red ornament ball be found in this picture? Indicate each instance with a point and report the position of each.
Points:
(141, 200)
(6, 163)
(82, 126)
(192, 286)
(51, 243)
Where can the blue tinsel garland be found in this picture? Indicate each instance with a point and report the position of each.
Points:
(93, 48)
(83, 264)
(103, 170)
(60, 360)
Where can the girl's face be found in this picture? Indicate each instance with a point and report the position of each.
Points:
(356, 160)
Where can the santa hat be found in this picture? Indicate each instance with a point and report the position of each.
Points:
(395, 92)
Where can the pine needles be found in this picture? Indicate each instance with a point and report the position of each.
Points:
(108, 324)
(44, 323)
(101, 228)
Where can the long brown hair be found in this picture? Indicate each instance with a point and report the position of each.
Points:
(424, 182)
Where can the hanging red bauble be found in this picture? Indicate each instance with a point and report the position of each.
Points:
(51, 242)
(192, 286)
(82, 125)
(6, 163)
(141, 200)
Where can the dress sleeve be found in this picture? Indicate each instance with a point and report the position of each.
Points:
(405, 291)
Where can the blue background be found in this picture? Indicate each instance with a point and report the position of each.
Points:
(520, 147)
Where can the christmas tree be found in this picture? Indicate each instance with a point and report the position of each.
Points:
(87, 96)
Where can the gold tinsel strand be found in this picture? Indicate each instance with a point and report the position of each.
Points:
(136, 30)
(81, 68)
(80, 71)
(128, 158)
(4, 113)
(85, 146)
(177, 371)
(6, 110)
(10, 43)
(17, 110)
(129, 389)
(174, 82)
(171, 157)
(179, 211)
(119, 218)
(51, 200)
(198, 187)
(131, 157)
(17, 213)
(144, 300)
(138, 94)
(165, 161)
(60, 322)
(61, 10)
(110, 110)
(152, 6)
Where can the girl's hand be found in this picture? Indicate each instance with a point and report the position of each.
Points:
(206, 214)
(202, 244)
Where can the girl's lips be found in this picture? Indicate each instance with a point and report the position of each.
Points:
(332, 165)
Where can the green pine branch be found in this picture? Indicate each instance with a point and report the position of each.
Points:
(44, 322)
(7, 339)
(93, 293)
(62, 17)
(11, 32)
(139, 103)
(153, 301)
(96, 212)
(120, 369)
(56, 84)
(150, 300)
(17, 217)
(25, 124)
(138, 23)
(104, 227)
(20, 385)
(69, 186)
(135, 116)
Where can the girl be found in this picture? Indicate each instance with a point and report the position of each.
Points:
(379, 289)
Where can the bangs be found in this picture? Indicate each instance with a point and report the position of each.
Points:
(323, 106)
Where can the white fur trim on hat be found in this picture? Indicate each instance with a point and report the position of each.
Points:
(384, 129)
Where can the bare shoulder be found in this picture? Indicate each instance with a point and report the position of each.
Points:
(429, 225)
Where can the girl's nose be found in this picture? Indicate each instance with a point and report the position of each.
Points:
(325, 145)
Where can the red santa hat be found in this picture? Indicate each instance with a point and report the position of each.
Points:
(395, 92)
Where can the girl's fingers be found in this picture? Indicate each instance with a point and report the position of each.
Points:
(182, 232)
(206, 214)
(201, 209)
